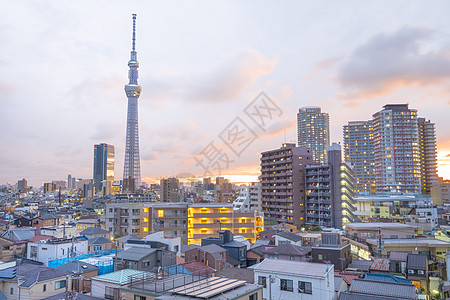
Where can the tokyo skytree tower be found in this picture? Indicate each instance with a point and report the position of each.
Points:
(132, 165)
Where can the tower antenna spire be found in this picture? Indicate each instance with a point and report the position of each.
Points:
(134, 32)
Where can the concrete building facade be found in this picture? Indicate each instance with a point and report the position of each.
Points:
(313, 129)
(283, 183)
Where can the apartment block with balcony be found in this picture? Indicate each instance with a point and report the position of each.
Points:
(396, 148)
(142, 219)
(206, 220)
(283, 183)
(330, 192)
(427, 147)
(359, 152)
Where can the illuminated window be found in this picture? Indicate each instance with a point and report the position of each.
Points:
(203, 231)
(160, 213)
(204, 220)
(144, 219)
(145, 209)
(145, 229)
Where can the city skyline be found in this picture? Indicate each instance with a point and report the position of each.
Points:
(198, 78)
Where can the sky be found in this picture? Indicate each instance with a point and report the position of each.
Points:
(63, 67)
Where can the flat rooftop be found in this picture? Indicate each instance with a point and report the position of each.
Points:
(412, 242)
(377, 225)
(308, 269)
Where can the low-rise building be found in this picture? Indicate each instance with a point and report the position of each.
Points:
(46, 250)
(144, 259)
(332, 250)
(284, 279)
(83, 272)
(212, 255)
(284, 237)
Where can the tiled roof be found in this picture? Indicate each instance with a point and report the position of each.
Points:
(291, 236)
(417, 262)
(77, 267)
(386, 289)
(124, 239)
(380, 264)
(99, 241)
(212, 248)
(93, 230)
(356, 296)
(197, 267)
(135, 253)
(362, 265)
(288, 249)
(40, 237)
(32, 274)
(121, 277)
(398, 256)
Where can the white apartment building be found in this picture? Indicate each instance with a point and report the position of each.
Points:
(44, 251)
(249, 198)
(289, 280)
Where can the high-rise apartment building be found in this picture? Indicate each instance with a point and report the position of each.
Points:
(132, 164)
(170, 190)
(313, 129)
(359, 152)
(427, 148)
(103, 168)
(330, 191)
(396, 149)
(283, 183)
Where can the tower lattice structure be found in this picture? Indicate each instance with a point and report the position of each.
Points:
(132, 165)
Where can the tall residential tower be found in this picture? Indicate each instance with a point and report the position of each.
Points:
(359, 152)
(313, 129)
(132, 165)
(103, 168)
(427, 147)
(396, 148)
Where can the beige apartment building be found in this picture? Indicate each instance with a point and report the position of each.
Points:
(190, 222)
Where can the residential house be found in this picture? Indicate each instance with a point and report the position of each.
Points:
(46, 250)
(121, 241)
(332, 250)
(288, 252)
(285, 237)
(398, 262)
(173, 243)
(22, 222)
(107, 286)
(144, 259)
(100, 243)
(94, 232)
(417, 271)
(47, 220)
(284, 279)
(236, 251)
(28, 280)
(62, 231)
(212, 255)
(10, 249)
(83, 272)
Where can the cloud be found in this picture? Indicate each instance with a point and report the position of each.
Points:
(232, 76)
(390, 61)
(223, 82)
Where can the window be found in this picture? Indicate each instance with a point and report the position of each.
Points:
(160, 213)
(109, 292)
(11, 291)
(253, 296)
(262, 280)
(286, 285)
(291, 258)
(138, 297)
(60, 284)
(305, 287)
(44, 288)
(322, 257)
(420, 272)
(410, 271)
